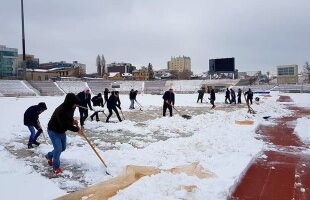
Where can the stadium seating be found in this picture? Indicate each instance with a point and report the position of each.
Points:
(15, 88)
(46, 88)
(72, 86)
(154, 87)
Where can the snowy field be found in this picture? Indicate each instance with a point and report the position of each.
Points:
(145, 138)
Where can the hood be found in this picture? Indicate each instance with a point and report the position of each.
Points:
(71, 99)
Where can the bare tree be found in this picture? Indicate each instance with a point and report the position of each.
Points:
(150, 71)
(98, 64)
(103, 62)
(306, 72)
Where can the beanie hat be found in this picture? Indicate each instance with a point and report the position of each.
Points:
(42, 106)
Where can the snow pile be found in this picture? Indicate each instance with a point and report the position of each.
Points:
(302, 129)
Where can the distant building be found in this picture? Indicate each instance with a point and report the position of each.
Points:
(48, 74)
(140, 75)
(79, 68)
(114, 76)
(287, 74)
(159, 73)
(180, 63)
(120, 67)
(31, 63)
(7, 60)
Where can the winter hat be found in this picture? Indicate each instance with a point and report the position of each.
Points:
(71, 99)
(99, 95)
(42, 106)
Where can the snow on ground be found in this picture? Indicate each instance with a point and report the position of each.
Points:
(302, 129)
(146, 138)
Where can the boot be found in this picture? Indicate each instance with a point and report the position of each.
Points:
(49, 161)
(30, 146)
(36, 143)
(57, 171)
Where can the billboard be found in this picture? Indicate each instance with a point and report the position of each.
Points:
(222, 65)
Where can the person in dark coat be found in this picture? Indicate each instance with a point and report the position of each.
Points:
(84, 101)
(31, 120)
(233, 96)
(112, 102)
(212, 98)
(227, 96)
(61, 121)
(239, 95)
(97, 101)
(249, 96)
(106, 95)
(168, 98)
(201, 92)
(132, 98)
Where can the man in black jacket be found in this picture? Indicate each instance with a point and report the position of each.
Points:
(106, 95)
(97, 101)
(227, 96)
(113, 101)
(249, 96)
(84, 98)
(201, 92)
(31, 120)
(212, 98)
(239, 95)
(168, 98)
(132, 98)
(61, 121)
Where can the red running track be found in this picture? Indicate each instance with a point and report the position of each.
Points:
(283, 173)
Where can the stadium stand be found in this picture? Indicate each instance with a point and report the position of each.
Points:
(98, 85)
(184, 86)
(154, 87)
(72, 86)
(46, 88)
(126, 86)
(15, 88)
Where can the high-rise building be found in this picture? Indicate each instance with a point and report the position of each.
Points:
(120, 67)
(287, 74)
(180, 63)
(7, 60)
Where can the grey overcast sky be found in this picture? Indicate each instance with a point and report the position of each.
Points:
(260, 34)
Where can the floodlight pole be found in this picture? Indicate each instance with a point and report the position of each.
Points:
(23, 40)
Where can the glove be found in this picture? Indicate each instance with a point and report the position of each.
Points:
(119, 107)
(91, 108)
(75, 122)
(81, 132)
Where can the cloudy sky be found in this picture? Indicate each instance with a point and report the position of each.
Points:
(260, 34)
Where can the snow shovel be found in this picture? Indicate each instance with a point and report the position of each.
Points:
(184, 116)
(122, 112)
(88, 141)
(139, 105)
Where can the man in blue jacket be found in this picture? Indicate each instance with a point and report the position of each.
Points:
(31, 120)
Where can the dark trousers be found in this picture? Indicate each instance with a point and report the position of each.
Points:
(165, 109)
(239, 99)
(249, 100)
(83, 115)
(95, 114)
(111, 112)
(199, 98)
(227, 98)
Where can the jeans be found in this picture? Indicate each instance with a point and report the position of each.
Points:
(34, 136)
(59, 144)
